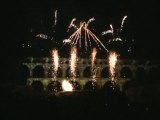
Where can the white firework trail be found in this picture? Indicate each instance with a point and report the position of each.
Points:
(73, 62)
(90, 20)
(115, 34)
(55, 60)
(124, 18)
(108, 31)
(112, 65)
(112, 28)
(72, 24)
(117, 39)
(55, 17)
(93, 67)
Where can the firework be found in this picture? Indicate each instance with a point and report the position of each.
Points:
(83, 35)
(73, 61)
(108, 31)
(53, 30)
(112, 65)
(55, 17)
(72, 24)
(90, 20)
(55, 60)
(43, 36)
(66, 41)
(124, 18)
(93, 67)
(115, 33)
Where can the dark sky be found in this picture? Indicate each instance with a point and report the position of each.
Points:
(142, 23)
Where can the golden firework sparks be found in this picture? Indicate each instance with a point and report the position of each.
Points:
(112, 64)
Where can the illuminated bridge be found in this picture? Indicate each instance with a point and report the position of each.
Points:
(40, 69)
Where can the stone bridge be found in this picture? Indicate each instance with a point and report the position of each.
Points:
(40, 69)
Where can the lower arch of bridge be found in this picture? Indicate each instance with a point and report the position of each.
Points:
(140, 73)
(105, 72)
(154, 73)
(87, 72)
(126, 72)
(38, 72)
(37, 86)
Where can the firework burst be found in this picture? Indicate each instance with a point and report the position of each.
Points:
(117, 37)
(83, 36)
(115, 33)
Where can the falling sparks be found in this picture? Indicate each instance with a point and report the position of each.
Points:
(73, 61)
(115, 34)
(112, 64)
(90, 20)
(93, 58)
(72, 24)
(53, 30)
(124, 18)
(83, 35)
(55, 17)
(66, 41)
(66, 86)
(55, 60)
(43, 36)
(108, 31)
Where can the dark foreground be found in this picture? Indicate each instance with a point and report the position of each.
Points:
(23, 103)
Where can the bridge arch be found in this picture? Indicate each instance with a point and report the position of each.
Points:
(38, 72)
(126, 72)
(87, 72)
(140, 73)
(105, 72)
(37, 86)
(154, 73)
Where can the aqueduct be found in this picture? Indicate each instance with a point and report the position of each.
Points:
(40, 69)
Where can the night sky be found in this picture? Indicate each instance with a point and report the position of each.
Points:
(141, 25)
(134, 98)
